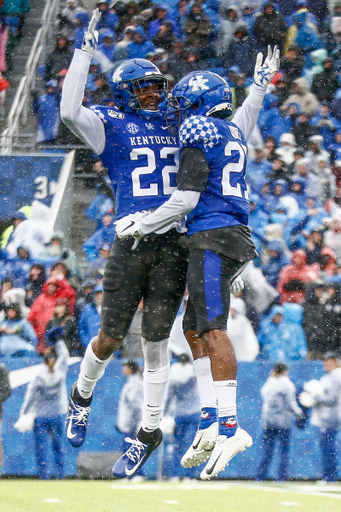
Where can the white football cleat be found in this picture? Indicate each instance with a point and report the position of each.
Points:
(225, 449)
(201, 448)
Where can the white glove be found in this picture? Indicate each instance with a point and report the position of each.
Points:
(265, 71)
(313, 387)
(237, 285)
(129, 226)
(306, 399)
(25, 422)
(90, 39)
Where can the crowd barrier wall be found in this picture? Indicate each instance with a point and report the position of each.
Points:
(305, 456)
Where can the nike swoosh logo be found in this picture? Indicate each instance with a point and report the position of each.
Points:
(210, 470)
(164, 127)
(69, 434)
(195, 446)
(130, 472)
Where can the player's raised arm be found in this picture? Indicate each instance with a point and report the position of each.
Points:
(82, 122)
(246, 117)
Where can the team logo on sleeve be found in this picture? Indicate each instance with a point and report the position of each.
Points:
(115, 114)
(235, 132)
(132, 128)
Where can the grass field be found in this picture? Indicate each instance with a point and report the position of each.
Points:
(121, 496)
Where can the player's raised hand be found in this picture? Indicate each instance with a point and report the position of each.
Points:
(90, 39)
(265, 71)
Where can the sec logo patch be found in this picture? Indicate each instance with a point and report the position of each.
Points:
(133, 128)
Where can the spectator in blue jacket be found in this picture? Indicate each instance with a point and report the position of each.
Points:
(140, 46)
(257, 169)
(83, 19)
(17, 334)
(18, 268)
(270, 120)
(107, 20)
(107, 46)
(326, 123)
(90, 317)
(161, 16)
(47, 110)
(281, 335)
(104, 235)
(275, 263)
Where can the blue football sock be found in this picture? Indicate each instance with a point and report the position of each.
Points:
(227, 426)
(208, 416)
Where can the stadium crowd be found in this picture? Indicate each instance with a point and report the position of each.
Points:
(293, 170)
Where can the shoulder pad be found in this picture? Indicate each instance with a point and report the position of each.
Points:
(198, 129)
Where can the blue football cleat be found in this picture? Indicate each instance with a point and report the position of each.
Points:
(77, 418)
(134, 458)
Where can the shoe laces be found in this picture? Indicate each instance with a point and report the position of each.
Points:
(81, 415)
(136, 449)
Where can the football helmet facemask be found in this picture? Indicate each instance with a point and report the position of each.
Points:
(200, 93)
(136, 77)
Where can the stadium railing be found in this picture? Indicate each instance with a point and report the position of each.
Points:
(20, 106)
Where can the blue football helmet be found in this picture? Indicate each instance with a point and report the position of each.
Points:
(200, 93)
(127, 84)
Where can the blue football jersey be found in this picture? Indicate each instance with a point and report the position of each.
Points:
(224, 202)
(142, 159)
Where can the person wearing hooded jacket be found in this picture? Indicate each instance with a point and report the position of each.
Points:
(270, 27)
(42, 309)
(293, 278)
(242, 49)
(270, 120)
(229, 20)
(139, 46)
(241, 332)
(257, 169)
(59, 59)
(307, 100)
(197, 27)
(82, 19)
(326, 83)
(46, 108)
(161, 16)
(278, 259)
(17, 336)
(304, 34)
(281, 335)
(107, 46)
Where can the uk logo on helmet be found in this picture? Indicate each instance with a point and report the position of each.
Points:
(198, 83)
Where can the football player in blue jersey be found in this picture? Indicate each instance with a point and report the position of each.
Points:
(134, 143)
(212, 192)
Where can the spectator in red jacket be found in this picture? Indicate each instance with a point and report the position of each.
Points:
(293, 278)
(42, 309)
